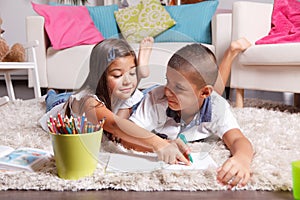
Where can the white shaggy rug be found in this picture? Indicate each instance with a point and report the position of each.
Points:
(275, 134)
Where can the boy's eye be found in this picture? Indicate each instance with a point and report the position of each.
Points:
(179, 87)
(132, 73)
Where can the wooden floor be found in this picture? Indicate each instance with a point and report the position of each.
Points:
(23, 92)
(123, 195)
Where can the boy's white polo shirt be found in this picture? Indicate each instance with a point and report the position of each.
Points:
(135, 98)
(151, 115)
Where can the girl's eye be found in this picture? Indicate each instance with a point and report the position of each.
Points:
(117, 76)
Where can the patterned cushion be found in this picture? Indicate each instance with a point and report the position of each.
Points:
(148, 18)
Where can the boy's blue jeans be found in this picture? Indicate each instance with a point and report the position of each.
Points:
(53, 99)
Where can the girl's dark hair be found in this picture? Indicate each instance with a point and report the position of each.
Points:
(197, 59)
(102, 56)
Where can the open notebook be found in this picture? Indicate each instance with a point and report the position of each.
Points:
(116, 162)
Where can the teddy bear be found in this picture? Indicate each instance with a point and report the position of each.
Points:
(14, 54)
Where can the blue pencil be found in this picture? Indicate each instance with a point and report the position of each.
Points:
(82, 123)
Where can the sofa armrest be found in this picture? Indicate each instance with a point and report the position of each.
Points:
(221, 33)
(35, 31)
(251, 20)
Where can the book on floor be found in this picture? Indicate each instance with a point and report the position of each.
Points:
(23, 158)
(125, 162)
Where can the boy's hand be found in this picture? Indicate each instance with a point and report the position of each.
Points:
(171, 154)
(235, 171)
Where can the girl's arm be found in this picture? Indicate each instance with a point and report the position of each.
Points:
(124, 113)
(128, 131)
(236, 170)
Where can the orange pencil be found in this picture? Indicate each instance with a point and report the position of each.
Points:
(74, 126)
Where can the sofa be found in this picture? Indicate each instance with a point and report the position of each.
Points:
(269, 64)
(67, 68)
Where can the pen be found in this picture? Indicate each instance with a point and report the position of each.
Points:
(182, 137)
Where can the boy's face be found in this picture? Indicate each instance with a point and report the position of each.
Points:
(182, 94)
(121, 77)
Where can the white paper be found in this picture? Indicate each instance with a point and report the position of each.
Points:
(116, 162)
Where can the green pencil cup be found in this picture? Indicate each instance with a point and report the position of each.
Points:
(296, 179)
(76, 155)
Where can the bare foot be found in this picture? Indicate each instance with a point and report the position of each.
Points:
(239, 45)
(144, 56)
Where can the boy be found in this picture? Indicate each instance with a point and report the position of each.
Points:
(189, 105)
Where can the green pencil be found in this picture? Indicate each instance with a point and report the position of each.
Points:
(182, 137)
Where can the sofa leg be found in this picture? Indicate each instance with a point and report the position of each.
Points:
(297, 100)
(239, 101)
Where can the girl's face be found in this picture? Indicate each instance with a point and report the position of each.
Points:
(122, 78)
(182, 95)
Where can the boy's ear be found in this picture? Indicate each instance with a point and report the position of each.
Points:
(206, 91)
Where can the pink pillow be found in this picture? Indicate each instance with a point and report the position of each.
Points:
(285, 23)
(68, 26)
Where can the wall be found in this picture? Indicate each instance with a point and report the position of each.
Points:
(14, 12)
(227, 4)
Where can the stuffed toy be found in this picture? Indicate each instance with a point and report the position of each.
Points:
(14, 54)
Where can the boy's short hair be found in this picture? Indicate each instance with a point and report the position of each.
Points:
(197, 59)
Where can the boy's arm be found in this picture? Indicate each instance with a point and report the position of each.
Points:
(236, 170)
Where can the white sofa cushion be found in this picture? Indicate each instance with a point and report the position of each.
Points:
(73, 63)
(68, 65)
(64, 69)
(272, 54)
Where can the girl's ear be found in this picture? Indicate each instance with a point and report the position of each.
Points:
(206, 91)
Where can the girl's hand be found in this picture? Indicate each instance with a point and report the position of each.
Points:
(183, 147)
(171, 154)
(235, 171)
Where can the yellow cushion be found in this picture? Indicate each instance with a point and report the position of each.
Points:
(148, 18)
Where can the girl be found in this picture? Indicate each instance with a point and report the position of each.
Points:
(121, 105)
